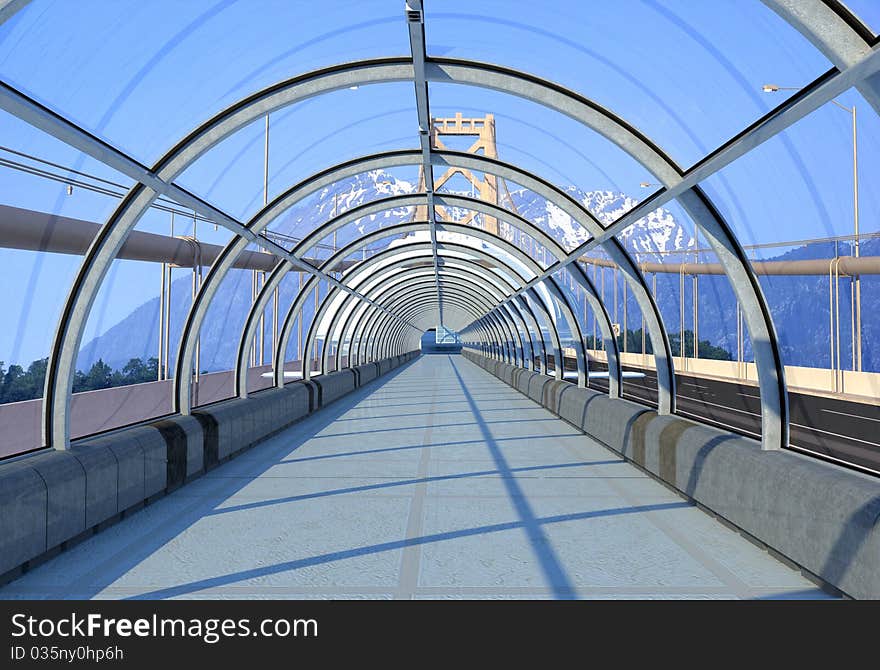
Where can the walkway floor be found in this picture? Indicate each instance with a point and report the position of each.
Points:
(438, 481)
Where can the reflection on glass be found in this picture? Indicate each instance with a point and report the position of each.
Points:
(116, 64)
(269, 156)
(680, 72)
(260, 372)
(791, 202)
(544, 142)
(317, 209)
(867, 11)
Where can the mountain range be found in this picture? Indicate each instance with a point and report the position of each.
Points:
(799, 304)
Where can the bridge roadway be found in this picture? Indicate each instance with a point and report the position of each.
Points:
(437, 481)
(839, 429)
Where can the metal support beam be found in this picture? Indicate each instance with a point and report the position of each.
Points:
(394, 276)
(412, 280)
(416, 23)
(158, 180)
(835, 32)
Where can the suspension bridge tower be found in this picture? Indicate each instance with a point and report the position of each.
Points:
(482, 129)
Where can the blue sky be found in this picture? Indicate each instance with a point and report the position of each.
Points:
(141, 75)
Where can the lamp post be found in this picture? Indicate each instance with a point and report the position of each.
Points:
(695, 290)
(857, 285)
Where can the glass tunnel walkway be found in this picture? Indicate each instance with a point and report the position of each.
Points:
(435, 481)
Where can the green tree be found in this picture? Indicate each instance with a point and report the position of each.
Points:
(99, 376)
(11, 390)
(705, 347)
(634, 345)
(17, 384)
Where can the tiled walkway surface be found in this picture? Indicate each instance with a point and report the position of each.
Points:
(438, 481)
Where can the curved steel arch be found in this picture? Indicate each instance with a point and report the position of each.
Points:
(350, 308)
(459, 265)
(467, 251)
(112, 235)
(114, 232)
(426, 310)
(382, 330)
(484, 302)
(648, 307)
(371, 315)
(420, 272)
(539, 304)
(513, 219)
(422, 299)
(834, 34)
(337, 328)
(400, 297)
(261, 301)
(296, 193)
(483, 343)
(407, 303)
(550, 285)
(464, 250)
(771, 375)
(521, 307)
(196, 316)
(275, 278)
(577, 273)
(395, 279)
(503, 329)
(222, 265)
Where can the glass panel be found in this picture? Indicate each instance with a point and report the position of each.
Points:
(296, 341)
(523, 336)
(33, 302)
(633, 341)
(535, 209)
(110, 66)
(679, 71)
(41, 173)
(791, 201)
(574, 295)
(54, 200)
(317, 209)
(703, 319)
(260, 375)
(794, 202)
(867, 11)
(546, 143)
(53, 185)
(341, 341)
(219, 337)
(353, 334)
(306, 138)
(310, 309)
(543, 324)
(121, 348)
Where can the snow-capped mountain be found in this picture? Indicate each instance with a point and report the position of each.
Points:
(660, 231)
(136, 335)
(657, 232)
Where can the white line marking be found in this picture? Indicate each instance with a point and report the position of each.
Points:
(855, 416)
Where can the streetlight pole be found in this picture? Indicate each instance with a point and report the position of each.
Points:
(694, 289)
(857, 283)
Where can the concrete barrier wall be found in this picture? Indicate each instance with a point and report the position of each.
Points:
(821, 517)
(50, 499)
(334, 385)
(366, 373)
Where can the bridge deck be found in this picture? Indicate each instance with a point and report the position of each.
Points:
(438, 481)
